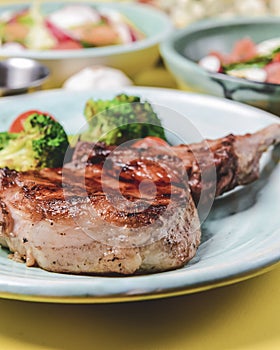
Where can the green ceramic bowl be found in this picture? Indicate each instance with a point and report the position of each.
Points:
(185, 47)
(131, 58)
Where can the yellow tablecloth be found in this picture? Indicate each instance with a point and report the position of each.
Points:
(241, 316)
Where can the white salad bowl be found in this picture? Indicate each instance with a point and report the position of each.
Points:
(131, 58)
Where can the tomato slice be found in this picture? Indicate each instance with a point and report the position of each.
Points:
(276, 58)
(243, 50)
(150, 141)
(57, 32)
(68, 45)
(273, 73)
(17, 124)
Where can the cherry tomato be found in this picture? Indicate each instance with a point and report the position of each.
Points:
(68, 45)
(276, 58)
(15, 32)
(150, 141)
(273, 73)
(243, 50)
(99, 35)
(17, 124)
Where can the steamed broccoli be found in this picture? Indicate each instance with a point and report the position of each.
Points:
(120, 119)
(5, 138)
(42, 143)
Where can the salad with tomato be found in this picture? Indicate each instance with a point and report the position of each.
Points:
(248, 60)
(73, 26)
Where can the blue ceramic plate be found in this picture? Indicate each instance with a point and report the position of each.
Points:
(241, 236)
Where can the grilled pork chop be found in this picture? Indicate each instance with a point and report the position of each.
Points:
(123, 210)
(88, 221)
(213, 167)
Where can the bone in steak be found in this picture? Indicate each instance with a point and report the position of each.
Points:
(122, 211)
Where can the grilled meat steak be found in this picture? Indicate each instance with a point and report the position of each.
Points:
(89, 221)
(122, 210)
(234, 159)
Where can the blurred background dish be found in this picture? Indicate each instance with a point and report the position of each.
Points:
(185, 12)
(130, 57)
(185, 48)
(97, 77)
(20, 75)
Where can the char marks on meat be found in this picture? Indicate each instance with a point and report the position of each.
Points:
(235, 159)
(124, 211)
(87, 220)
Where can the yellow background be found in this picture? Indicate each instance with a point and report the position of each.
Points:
(244, 316)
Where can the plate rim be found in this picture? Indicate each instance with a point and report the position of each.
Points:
(262, 265)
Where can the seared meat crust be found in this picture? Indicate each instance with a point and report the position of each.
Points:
(212, 167)
(123, 211)
(91, 220)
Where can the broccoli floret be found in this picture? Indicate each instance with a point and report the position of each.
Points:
(42, 144)
(120, 119)
(5, 138)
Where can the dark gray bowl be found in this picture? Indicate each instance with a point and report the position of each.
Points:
(19, 75)
(185, 47)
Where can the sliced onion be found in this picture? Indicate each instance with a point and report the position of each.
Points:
(7, 16)
(133, 34)
(254, 74)
(74, 15)
(210, 63)
(40, 38)
(12, 47)
(13, 16)
(117, 20)
(60, 34)
(268, 46)
(124, 33)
